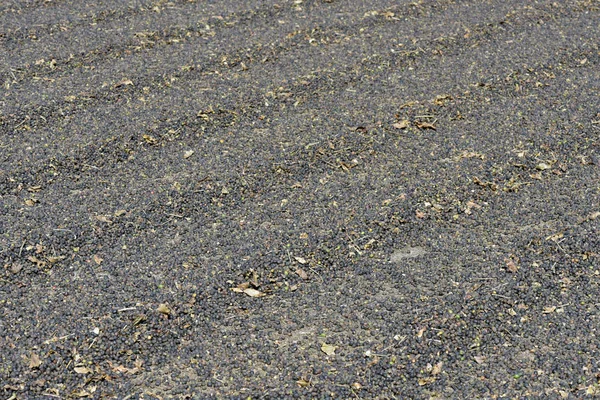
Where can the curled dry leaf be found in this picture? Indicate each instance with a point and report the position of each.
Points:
(437, 368)
(425, 125)
(82, 370)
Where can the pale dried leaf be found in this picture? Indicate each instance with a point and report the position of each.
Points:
(437, 368)
(425, 125)
(300, 260)
(163, 309)
(511, 266)
(402, 124)
(188, 154)
(254, 293)
(479, 359)
(34, 361)
(82, 370)
(303, 382)
(301, 273)
(426, 381)
(328, 349)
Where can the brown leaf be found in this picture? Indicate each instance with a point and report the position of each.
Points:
(419, 214)
(149, 139)
(303, 382)
(82, 370)
(31, 202)
(425, 125)
(55, 259)
(34, 361)
(37, 261)
(437, 368)
(441, 99)
(402, 124)
(426, 381)
(124, 82)
(301, 273)
(103, 218)
(97, 259)
(511, 266)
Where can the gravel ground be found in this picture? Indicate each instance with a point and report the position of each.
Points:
(302, 199)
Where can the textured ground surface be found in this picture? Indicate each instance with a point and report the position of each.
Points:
(404, 196)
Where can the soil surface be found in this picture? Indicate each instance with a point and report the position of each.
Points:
(299, 199)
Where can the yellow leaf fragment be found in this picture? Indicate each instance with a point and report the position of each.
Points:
(328, 349)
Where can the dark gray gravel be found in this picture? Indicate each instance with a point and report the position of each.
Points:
(299, 199)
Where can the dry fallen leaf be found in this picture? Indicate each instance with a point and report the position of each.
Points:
(82, 370)
(419, 214)
(303, 382)
(549, 310)
(479, 359)
(34, 361)
(103, 218)
(542, 166)
(421, 332)
(511, 266)
(245, 288)
(97, 259)
(124, 82)
(149, 139)
(402, 124)
(426, 381)
(301, 273)
(163, 309)
(425, 125)
(188, 154)
(328, 349)
(437, 368)
(37, 261)
(300, 260)
(254, 293)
